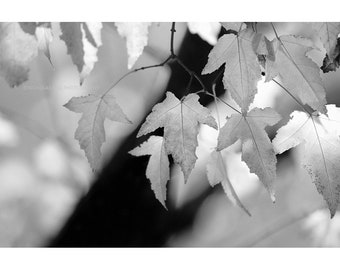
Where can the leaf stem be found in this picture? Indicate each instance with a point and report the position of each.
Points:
(226, 103)
(292, 96)
(136, 70)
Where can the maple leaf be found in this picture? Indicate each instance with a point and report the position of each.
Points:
(257, 150)
(298, 73)
(319, 136)
(180, 119)
(157, 171)
(136, 35)
(242, 70)
(90, 132)
(208, 31)
(217, 174)
(82, 41)
(17, 50)
(328, 33)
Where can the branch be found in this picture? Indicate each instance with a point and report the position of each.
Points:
(173, 30)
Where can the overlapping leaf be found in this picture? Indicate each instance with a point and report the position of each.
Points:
(257, 150)
(234, 26)
(217, 174)
(136, 35)
(299, 73)
(82, 41)
(242, 70)
(321, 153)
(328, 33)
(157, 171)
(17, 50)
(180, 119)
(42, 32)
(90, 132)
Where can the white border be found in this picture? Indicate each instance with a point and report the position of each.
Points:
(169, 258)
(170, 10)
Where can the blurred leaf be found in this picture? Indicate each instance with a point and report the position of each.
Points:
(82, 41)
(208, 31)
(17, 50)
(217, 173)
(136, 35)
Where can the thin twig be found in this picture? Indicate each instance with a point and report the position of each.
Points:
(134, 71)
(226, 103)
(173, 30)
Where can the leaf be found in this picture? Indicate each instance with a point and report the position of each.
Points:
(44, 37)
(234, 26)
(90, 132)
(208, 31)
(82, 41)
(319, 136)
(157, 170)
(28, 27)
(136, 35)
(299, 74)
(263, 46)
(17, 50)
(257, 150)
(42, 32)
(242, 70)
(328, 33)
(332, 64)
(217, 173)
(180, 119)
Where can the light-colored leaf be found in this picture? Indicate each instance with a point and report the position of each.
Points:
(235, 26)
(208, 31)
(17, 50)
(242, 70)
(44, 37)
(319, 136)
(82, 41)
(299, 74)
(217, 174)
(263, 46)
(328, 33)
(136, 35)
(257, 150)
(90, 132)
(157, 171)
(42, 32)
(180, 119)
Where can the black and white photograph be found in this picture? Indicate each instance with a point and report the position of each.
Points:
(184, 135)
